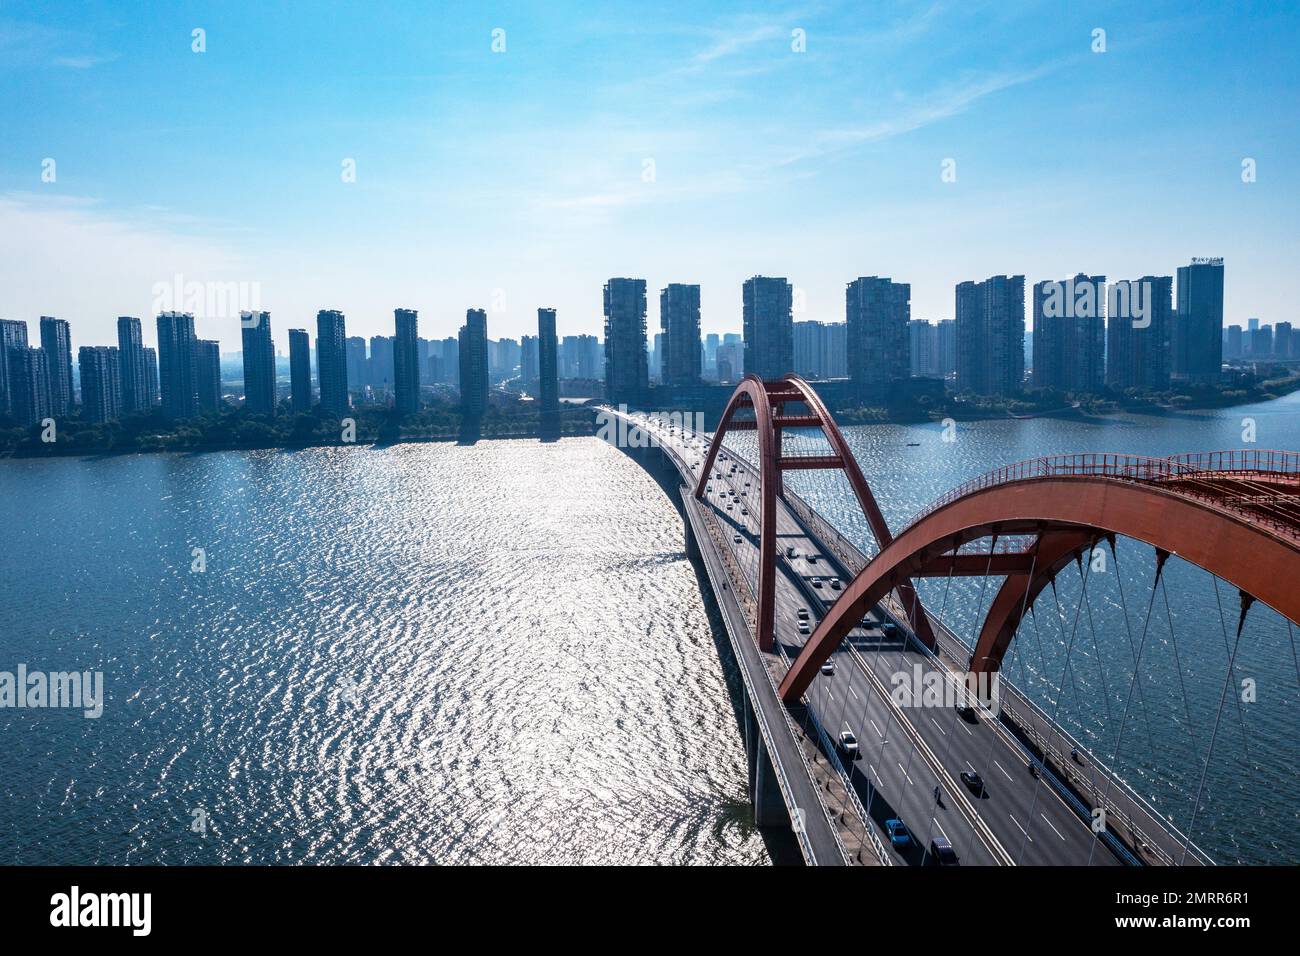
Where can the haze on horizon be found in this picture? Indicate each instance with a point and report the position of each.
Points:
(660, 142)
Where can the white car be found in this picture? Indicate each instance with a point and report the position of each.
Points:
(735, 539)
(816, 582)
(803, 627)
(803, 614)
(828, 669)
(835, 584)
(849, 744)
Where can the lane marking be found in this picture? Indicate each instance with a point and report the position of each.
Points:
(1021, 829)
(909, 779)
(941, 829)
(1003, 769)
(1049, 823)
(873, 724)
(937, 727)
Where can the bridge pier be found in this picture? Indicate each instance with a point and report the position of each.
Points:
(692, 546)
(764, 789)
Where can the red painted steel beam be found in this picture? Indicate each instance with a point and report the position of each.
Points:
(1052, 552)
(810, 463)
(917, 620)
(1252, 556)
(976, 565)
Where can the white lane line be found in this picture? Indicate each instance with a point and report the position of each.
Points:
(1002, 768)
(909, 779)
(962, 725)
(941, 829)
(1021, 829)
(854, 693)
(873, 724)
(937, 727)
(1049, 823)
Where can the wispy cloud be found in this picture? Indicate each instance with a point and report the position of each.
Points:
(33, 46)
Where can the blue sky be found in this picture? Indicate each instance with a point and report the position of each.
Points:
(519, 179)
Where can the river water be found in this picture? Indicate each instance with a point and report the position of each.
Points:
(499, 653)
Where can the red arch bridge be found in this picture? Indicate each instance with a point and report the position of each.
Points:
(869, 770)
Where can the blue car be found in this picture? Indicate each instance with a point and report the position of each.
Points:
(898, 834)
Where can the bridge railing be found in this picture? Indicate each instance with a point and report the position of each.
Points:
(1237, 463)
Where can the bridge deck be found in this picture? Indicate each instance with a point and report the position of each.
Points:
(906, 752)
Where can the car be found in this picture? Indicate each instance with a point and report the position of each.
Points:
(942, 853)
(816, 582)
(803, 614)
(735, 539)
(803, 628)
(889, 628)
(828, 669)
(974, 781)
(744, 511)
(729, 506)
(849, 744)
(835, 584)
(866, 621)
(966, 712)
(812, 559)
(791, 553)
(898, 832)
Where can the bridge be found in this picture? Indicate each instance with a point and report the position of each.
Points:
(840, 749)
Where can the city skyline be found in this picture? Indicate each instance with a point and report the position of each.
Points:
(729, 154)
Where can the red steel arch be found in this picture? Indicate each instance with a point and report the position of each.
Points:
(768, 400)
(1235, 514)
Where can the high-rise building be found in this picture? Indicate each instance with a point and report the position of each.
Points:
(1138, 331)
(1232, 342)
(990, 334)
(473, 344)
(679, 317)
(13, 335)
(331, 361)
(528, 372)
(1197, 338)
(946, 346)
(1283, 341)
(299, 370)
(130, 357)
(769, 326)
(1261, 342)
(731, 362)
(406, 362)
(207, 375)
(176, 364)
(876, 312)
(626, 368)
(101, 382)
(357, 364)
(56, 340)
(1069, 334)
(29, 385)
(923, 345)
(380, 367)
(151, 390)
(548, 361)
(259, 363)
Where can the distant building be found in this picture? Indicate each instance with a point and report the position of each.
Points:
(299, 370)
(380, 367)
(818, 350)
(13, 335)
(56, 340)
(101, 382)
(151, 378)
(990, 336)
(331, 361)
(259, 362)
(1069, 345)
(473, 347)
(357, 366)
(406, 362)
(1283, 341)
(176, 365)
(580, 357)
(946, 335)
(548, 361)
(1197, 338)
(876, 313)
(29, 385)
(130, 355)
(1232, 342)
(528, 372)
(1261, 342)
(1138, 334)
(731, 362)
(768, 326)
(207, 374)
(626, 365)
(679, 317)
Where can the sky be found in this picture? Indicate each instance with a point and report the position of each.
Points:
(511, 156)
